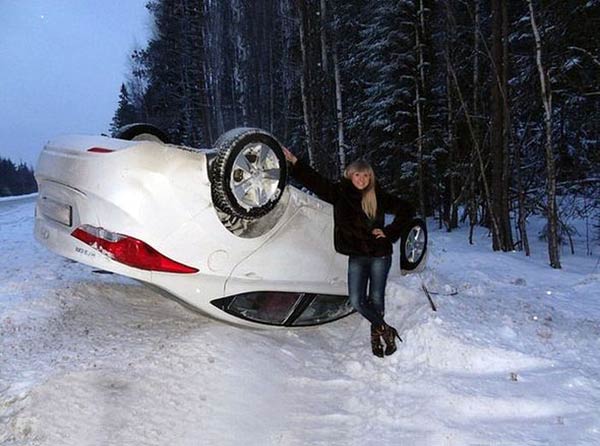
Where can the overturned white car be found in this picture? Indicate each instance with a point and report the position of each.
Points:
(219, 229)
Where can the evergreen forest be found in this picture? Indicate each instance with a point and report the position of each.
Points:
(482, 112)
(16, 179)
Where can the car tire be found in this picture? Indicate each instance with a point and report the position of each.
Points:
(142, 132)
(248, 174)
(413, 244)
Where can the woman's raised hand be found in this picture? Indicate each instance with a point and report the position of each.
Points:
(289, 156)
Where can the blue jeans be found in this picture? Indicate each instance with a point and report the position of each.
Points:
(371, 271)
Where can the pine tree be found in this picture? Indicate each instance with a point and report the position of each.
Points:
(174, 67)
(125, 113)
(383, 119)
(16, 179)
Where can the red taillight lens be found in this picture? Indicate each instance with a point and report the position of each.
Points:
(100, 150)
(128, 250)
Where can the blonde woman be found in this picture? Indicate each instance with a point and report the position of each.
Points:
(359, 207)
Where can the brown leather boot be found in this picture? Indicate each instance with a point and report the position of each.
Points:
(376, 333)
(389, 335)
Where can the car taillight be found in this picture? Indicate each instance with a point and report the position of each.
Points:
(100, 150)
(129, 250)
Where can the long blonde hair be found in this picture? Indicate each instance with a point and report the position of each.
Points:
(369, 199)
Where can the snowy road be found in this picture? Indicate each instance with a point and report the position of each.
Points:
(97, 359)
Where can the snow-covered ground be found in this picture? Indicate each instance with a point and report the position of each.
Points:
(95, 359)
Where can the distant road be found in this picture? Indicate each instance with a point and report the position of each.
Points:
(8, 203)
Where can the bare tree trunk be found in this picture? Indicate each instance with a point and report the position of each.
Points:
(546, 94)
(420, 168)
(324, 65)
(473, 181)
(324, 87)
(449, 136)
(304, 82)
(233, 102)
(287, 76)
(442, 217)
(339, 112)
(453, 197)
(213, 70)
(482, 167)
(450, 208)
(271, 117)
(240, 65)
(505, 214)
(521, 222)
(419, 84)
(498, 131)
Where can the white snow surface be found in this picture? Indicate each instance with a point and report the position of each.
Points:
(97, 359)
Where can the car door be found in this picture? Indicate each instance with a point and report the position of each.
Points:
(297, 257)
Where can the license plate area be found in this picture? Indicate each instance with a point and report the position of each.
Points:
(56, 211)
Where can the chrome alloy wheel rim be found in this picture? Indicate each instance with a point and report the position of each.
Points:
(415, 244)
(255, 175)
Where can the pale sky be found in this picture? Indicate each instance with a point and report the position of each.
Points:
(61, 66)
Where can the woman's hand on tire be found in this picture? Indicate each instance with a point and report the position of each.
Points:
(289, 156)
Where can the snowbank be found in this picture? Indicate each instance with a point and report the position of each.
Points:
(96, 359)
